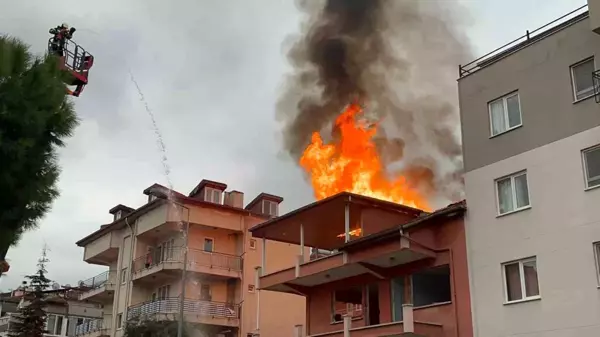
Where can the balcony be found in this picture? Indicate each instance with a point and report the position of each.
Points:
(394, 329)
(194, 311)
(94, 328)
(99, 288)
(102, 251)
(4, 324)
(170, 263)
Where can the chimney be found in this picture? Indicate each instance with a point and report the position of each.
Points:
(234, 199)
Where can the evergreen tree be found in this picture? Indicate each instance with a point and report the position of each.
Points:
(35, 118)
(31, 318)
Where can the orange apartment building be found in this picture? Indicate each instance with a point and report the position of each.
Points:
(376, 268)
(145, 252)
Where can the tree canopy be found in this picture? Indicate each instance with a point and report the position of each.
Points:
(36, 116)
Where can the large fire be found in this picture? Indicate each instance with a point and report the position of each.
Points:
(352, 164)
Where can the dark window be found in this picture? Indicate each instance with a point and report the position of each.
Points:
(345, 300)
(431, 286)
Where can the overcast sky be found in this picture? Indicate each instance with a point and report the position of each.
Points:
(211, 72)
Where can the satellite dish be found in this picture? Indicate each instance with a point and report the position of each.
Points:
(67, 285)
(55, 286)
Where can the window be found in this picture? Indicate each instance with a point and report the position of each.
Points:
(54, 324)
(505, 113)
(597, 259)
(344, 300)
(251, 288)
(521, 280)
(513, 193)
(123, 275)
(252, 244)
(270, 207)
(120, 321)
(591, 166)
(163, 292)
(212, 195)
(167, 248)
(431, 286)
(209, 244)
(205, 292)
(582, 80)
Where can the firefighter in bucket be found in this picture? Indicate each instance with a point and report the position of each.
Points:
(72, 57)
(61, 34)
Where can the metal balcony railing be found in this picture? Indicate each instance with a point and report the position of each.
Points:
(171, 305)
(108, 277)
(214, 259)
(92, 325)
(523, 41)
(195, 257)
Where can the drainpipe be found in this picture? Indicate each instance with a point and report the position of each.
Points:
(183, 271)
(129, 268)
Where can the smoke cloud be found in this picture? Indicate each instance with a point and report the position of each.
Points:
(400, 59)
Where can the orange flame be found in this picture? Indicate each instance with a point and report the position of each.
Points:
(352, 164)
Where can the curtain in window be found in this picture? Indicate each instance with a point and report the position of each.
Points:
(521, 191)
(498, 120)
(514, 113)
(513, 282)
(505, 199)
(531, 279)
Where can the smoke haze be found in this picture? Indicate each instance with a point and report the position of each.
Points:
(400, 59)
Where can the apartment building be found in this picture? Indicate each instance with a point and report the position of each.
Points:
(66, 314)
(376, 268)
(192, 253)
(531, 139)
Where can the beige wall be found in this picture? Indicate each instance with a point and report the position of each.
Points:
(229, 232)
(559, 230)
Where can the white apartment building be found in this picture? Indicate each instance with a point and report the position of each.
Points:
(531, 140)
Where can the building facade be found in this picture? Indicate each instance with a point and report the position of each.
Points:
(376, 268)
(66, 314)
(192, 252)
(531, 140)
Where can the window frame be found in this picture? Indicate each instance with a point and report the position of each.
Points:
(524, 297)
(512, 177)
(252, 244)
(504, 99)
(62, 321)
(573, 85)
(209, 194)
(124, 275)
(268, 206)
(204, 245)
(596, 246)
(585, 166)
(357, 307)
(120, 321)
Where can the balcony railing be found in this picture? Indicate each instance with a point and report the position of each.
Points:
(521, 42)
(92, 325)
(214, 260)
(108, 277)
(195, 257)
(190, 306)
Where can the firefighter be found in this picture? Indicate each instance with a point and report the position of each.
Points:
(61, 34)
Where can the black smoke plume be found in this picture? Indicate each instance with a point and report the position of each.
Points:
(399, 58)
